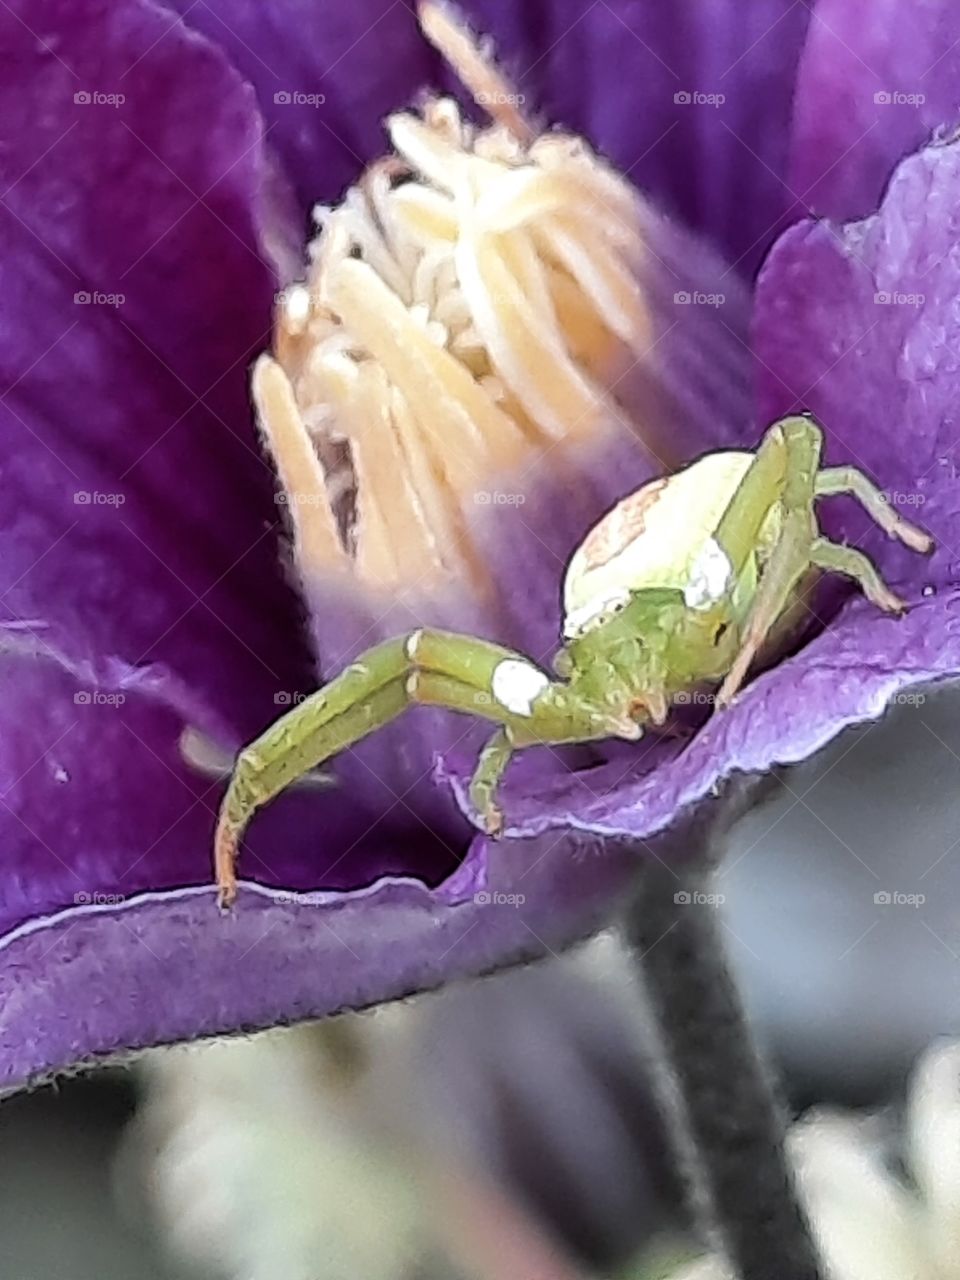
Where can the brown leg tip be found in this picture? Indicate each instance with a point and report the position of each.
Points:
(914, 538)
(226, 897)
(493, 823)
(224, 863)
(893, 604)
(724, 696)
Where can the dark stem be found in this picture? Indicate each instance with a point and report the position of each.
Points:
(727, 1125)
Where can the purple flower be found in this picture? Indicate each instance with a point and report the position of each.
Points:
(155, 180)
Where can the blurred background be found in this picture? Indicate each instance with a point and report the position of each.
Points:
(504, 1128)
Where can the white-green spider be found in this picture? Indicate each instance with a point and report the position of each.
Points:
(679, 585)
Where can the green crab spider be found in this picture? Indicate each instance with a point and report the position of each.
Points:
(682, 584)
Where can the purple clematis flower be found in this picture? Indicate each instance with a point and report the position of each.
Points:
(156, 176)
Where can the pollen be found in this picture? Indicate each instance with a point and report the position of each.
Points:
(468, 307)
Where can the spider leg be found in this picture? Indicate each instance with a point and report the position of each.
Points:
(833, 480)
(437, 668)
(854, 564)
(491, 767)
(784, 472)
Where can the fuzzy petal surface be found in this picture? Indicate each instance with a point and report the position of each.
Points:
(877, 78)
(135, 293)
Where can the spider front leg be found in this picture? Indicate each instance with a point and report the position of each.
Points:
(434, 668)
(786, 473)
(367, 694)
(781, 475)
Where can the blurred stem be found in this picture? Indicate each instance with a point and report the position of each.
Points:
(725, 1121)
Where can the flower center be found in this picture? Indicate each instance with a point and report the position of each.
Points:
(468, 306)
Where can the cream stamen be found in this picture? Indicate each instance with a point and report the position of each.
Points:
(474, 66)
(469, 306)
(298, 466)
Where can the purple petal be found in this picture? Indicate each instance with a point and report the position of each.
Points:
(877, 77)
(720, 167)
(859, 325)
(358, 62)
(137, 514)
(96, 798)
(108, 978)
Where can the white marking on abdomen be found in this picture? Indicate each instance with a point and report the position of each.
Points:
(709, 576)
